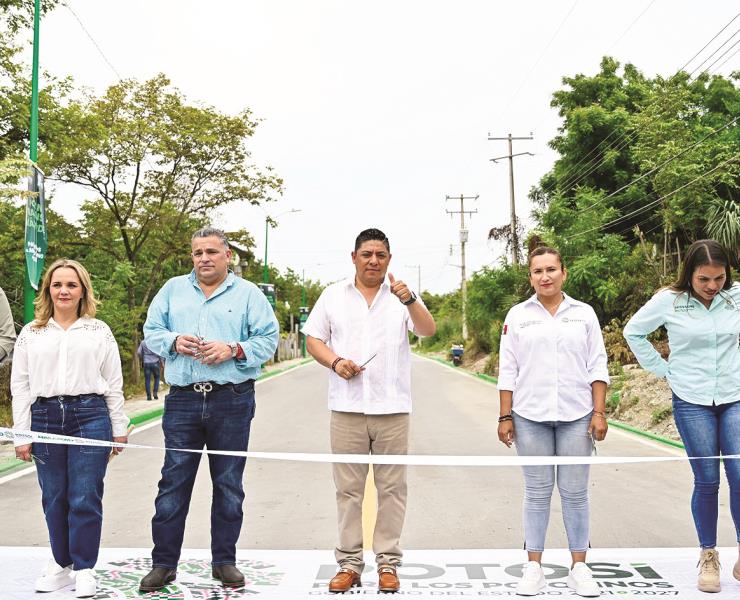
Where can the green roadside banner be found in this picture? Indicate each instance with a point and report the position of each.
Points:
(36, 237)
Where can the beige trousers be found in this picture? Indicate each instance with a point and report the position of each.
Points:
(357, 433)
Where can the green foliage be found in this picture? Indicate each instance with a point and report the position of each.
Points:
(617, 349)
(491, 293)
(661, 414)
(612, 402)
(156, 167)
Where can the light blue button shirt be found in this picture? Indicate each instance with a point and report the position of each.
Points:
(236, 312)
(704, 364)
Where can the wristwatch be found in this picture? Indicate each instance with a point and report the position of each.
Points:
(410, 300)
(234, 349)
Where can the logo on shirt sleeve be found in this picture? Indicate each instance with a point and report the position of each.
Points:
(506, 328)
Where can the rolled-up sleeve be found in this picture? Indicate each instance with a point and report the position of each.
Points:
(645, 321)
(111, 372)
(262, 334)
(508, 363)
(597, 363)
(317, 325)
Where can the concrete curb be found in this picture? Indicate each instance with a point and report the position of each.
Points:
(618, 424)
(150, 415)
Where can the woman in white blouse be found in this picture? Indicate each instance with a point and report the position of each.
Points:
(66, 380)
(552, 389)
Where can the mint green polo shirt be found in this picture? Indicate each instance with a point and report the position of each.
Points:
(704, 363)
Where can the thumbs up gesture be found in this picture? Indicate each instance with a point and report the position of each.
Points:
(399, 289)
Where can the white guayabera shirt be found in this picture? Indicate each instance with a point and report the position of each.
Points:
(342, 320)
(50, 361)
(550, 361)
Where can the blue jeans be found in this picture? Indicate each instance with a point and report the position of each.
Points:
(71, 477)
(710, 431)
(220, 420)
(151, 370)
(554, 438)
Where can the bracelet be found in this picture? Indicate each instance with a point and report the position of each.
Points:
(334, 364)
(598, 413)
(503, 418)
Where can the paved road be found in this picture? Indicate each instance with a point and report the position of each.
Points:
(291, 505)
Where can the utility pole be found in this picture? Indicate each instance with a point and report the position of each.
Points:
(463, 241)
(29, 287)
(514, 235)
(418, 269)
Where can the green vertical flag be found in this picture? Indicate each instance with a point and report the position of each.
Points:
(36, 239)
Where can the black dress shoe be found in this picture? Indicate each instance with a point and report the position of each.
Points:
(156, 579)
(228, 575)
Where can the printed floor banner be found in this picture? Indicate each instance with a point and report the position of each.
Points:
(426, 574)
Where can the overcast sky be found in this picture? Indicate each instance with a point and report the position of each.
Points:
(373, 112)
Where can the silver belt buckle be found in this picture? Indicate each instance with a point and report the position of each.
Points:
(203, 386)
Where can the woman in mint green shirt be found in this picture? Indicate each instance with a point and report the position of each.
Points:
(701, 313)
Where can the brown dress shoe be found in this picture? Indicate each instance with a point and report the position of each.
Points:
(388, 580)
(344, 580)
(228, 575)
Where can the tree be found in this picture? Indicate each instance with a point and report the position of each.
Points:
(158, 167)
(16, 17)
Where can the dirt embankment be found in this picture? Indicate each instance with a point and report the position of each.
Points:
(644, 402)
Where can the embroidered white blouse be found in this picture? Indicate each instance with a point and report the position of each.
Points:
(550, 361)
(50, 361)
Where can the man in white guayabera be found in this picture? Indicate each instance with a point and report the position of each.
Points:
(359, 330)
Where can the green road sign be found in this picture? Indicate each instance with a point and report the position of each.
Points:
(268, 289)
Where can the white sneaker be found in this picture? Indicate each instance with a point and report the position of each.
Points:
(582, 581)
(532, 581)
(86, 586)
(54, 578)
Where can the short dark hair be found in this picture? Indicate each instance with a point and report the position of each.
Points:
(205, 232)
(540, 250)
(371, 234)
(699, 254)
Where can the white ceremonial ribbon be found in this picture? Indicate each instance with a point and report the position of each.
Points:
(28, 437)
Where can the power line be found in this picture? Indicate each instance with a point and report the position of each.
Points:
(709, 42)
(630, 26)
(615, 43)
(593, 164)
(539, 58)
(654, 202)
(725, 61)
(626, 142)
(722, 55)
(661, 165)
(715, 52)
(97, 46)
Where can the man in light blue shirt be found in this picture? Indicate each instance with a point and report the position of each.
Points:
(214, 330)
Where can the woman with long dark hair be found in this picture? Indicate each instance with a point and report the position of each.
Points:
(701, 313)
(66, 379)
(552, 389)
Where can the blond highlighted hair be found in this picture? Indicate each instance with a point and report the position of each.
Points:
(44, 304)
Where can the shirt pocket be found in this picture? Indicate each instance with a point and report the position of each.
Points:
(572, 336)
